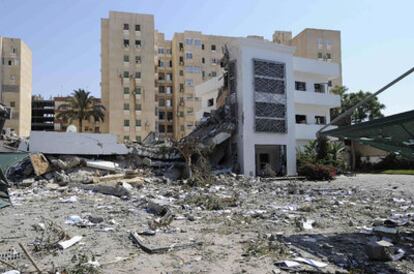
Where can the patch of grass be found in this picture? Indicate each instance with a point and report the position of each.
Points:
(398, 171)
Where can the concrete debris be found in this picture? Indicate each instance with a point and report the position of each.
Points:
(66, 244)
(40, 164)
(105, 165)
(217, 221)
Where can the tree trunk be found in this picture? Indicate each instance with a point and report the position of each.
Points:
(353, 155)
(80, 125)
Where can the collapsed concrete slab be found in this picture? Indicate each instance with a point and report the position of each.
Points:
(72, 143)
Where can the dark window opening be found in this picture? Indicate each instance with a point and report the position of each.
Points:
(320, 120)
(300, 86)
(210, 102)
(300, 119)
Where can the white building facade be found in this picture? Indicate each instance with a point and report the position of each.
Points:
(282, 101)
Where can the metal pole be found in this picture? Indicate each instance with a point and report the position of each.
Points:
(1, 69)
(351, 110)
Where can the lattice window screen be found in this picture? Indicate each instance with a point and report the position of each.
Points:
(269, 84)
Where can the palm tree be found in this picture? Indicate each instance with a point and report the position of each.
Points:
(81, 106)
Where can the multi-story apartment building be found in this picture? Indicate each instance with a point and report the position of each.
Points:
(43, 114)
(319, 44)
(128, 83)
(164, 86)
(16, 83)
(148, 82)
(196, 58)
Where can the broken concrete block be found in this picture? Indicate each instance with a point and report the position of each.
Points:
(70, 242)
(40, 164)
(379, 251)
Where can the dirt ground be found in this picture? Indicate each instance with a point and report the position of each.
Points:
(245, 226)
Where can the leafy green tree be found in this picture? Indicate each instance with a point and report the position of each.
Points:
(372, 109)
(81, 106)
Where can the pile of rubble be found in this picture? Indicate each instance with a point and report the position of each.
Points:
(98, 216)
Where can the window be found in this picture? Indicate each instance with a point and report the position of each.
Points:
(189, 82)
(161, 89)
(320, 56)
(181, 114)
(126, 74)
(202, 46)
(181, 73)
(161, 115)
(138, 43)
(126, 27)
(300, 86)
(138, 75)
(14, 50)
(160, 50)
(213, 74)
(126, 43)
(168, 90)
(214, 61)
(320, 88)
(190, 110)
(188, 41)
(169, 128)
(181, 60)
(181, 87)
(126, 123)
(192, 69)
(126, 90)
(126, 58)
(96, 129)
(10, 62)
(137, 27)
(320, 120)
(12, 104)
(126, 106)
(210, 102)
(138, 90)
(203, 60)
(137, 59)
(188, 55)
(328, 56)
(181, 46)
(161, 128)
(126, 138)
(300, 119)
(161, 102)
(197, 43)
(203, 74)
(137, 123)
(213, 47)
(138, 107)
(138, 138)
(169, 116)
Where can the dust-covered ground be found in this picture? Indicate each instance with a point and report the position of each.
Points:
(243, 226)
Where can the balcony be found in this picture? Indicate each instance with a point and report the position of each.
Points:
(308, 131)
(317, 99)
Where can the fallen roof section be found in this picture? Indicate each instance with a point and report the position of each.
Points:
(393, 133)
(74, 143)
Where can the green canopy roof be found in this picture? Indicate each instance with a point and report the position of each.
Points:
(394, 133)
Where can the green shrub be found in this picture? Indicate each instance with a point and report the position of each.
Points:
(317, 172)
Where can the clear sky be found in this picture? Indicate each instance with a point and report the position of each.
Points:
(64, 35)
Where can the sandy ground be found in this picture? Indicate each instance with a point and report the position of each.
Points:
(247, 227)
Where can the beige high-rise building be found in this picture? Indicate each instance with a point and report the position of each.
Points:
(148, 82)
(128, 75)
(196, 58)
(16, 83)
(319, 44)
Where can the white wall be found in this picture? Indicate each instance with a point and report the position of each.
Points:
(245, 50)
(206, 91)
